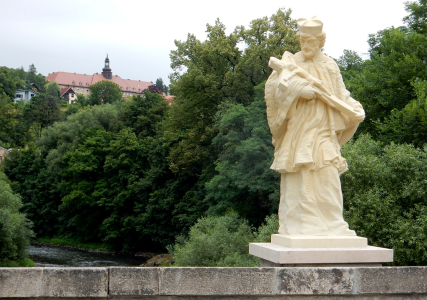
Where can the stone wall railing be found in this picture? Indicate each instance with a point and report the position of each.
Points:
(214, 283)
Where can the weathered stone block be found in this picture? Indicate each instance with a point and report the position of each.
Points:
(285, 255)
(20, 282)
(133, 281)
(75, 282)
(315, 281)
(392, 280)
(217, 281)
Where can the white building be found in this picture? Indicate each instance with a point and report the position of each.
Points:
(24, 95)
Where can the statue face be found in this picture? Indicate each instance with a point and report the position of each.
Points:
(309, 46)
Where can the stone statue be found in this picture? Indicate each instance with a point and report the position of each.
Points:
(310, 114)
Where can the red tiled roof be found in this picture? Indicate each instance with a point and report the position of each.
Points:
(73, 79)
(65, 89)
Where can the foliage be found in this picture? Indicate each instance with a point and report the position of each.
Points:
(36, 172)
(7, 84)
(15, 228)
(397, 59)
(144, 114)
(24, 262)
(244, 181)
(31, 77)
(408, 125)
(350, 64)
(53, 89)
(217, 241)
(383, 184)
(104, 92)
(8, 119)
(27, 171)
(41, 112)
(417, 17)
(161, 85)
(208, 73)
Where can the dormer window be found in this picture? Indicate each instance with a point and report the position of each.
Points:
(74, 82)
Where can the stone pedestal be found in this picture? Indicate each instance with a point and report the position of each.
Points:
(315, 241)
(319, 251)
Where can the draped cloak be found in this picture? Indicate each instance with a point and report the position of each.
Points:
(307, 135)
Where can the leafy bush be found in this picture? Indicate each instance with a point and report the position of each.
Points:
(216, 241)
(15, 228)
(385, 197)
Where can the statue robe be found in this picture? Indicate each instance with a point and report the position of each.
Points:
(307, 135)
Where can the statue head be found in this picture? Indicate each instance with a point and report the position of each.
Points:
(311, 36)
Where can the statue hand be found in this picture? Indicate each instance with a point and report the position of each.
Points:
(308, 92)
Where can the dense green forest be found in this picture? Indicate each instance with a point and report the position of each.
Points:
(140, 175)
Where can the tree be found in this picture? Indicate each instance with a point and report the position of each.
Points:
(397, 59)
(41, 112)
(8, 119)
(7, 84)
(104, 92)
(33, 78)
(417, 19)
(394, 181)
(350, 64)
(15, 228)
(408, 125)
(154, 89)
(216, 70)
(53, 89)
(144, 114)
(161, 85)
(244, 181)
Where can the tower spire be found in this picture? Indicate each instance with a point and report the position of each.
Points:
(106, 71)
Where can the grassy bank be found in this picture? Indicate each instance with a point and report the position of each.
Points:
(25, 262)
(73, 243)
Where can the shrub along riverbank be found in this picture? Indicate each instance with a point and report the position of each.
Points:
(25, 262)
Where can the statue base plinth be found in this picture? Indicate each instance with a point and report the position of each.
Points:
(273, 255)
(315, 241)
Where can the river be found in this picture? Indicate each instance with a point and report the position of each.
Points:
(45, 256)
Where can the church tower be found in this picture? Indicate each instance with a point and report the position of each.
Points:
(106, 71)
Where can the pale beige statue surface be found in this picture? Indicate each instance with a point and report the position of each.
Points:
(311, 115)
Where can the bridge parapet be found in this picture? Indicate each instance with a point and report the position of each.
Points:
(213, 283)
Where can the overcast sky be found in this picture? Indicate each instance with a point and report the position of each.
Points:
(75, 36)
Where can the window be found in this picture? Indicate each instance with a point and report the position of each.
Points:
(87, 84)
(74, 82)
(18, 96)
(87, 90)
(77, 89)
(72, 95)
(81, 83)
(32, 95)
